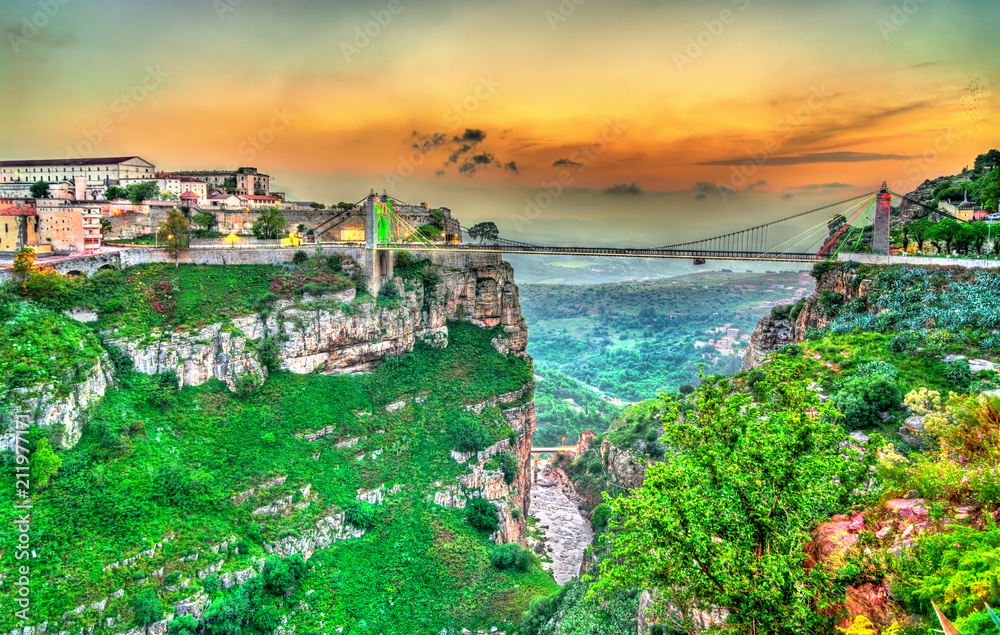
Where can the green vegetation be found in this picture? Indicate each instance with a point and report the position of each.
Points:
(735, 460)
(42, 347)
(153, 469)
(270, 224)
(631, 340)
(39, 189)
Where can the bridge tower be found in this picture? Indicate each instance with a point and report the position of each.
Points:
(378, 232)
(883, 213)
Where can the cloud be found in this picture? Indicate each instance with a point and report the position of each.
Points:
(472, 163)
(429, 142)
(623, 188)
(750, 187)
(510, 165)
(471, 135)
(815, 157)
(567, 162)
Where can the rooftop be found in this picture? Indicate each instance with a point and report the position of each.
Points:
(83, 161)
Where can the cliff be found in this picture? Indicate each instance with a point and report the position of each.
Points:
(310, 424)
(835, 286)
(335, 333)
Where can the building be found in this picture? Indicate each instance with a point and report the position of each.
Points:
(69, 226)
(98, 172)
(221, 200)
(19, 225)
(257, 201)
(248, 181)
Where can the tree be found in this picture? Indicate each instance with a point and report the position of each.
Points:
(722, 522)
(114, 193)
(144, 191)
(989, 190)
(229, 184)
(148, 608)
(39, 189)
(484, 231)
(105, 227)
(202, 222)
(429, 231)
(317, 205)
(482, 515)
(270, 224)
(173, 234)
(183, 625)
(987, 160)
(437, 218)
(919, 230)
(24, 262)
(944, 231)
(258, 189)
(44, 463)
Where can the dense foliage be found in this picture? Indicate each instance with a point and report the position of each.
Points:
(722, 521)
(154, 467)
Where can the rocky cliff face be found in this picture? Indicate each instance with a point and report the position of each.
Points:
(59, 407)
(771, 334)
(334, 333)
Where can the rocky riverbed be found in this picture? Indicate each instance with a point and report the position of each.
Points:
(566, 533)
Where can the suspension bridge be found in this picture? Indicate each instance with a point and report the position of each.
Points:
(842, 227)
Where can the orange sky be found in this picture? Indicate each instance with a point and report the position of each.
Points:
(790, 103)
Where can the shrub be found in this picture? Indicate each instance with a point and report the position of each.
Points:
(148, 608)
(360, 514)
(781, 312)
(300, 258)
(959, 373)
(183, 625)
(863, 397)
(686, 389)
(509, 467)
(211, 583)
(796, 310)
(44, 463)
(388, 290)
(468, 434)
(600, 516)
(904, 341)
(482, 515)
(510, 556)
(821, 268)
(830, 302)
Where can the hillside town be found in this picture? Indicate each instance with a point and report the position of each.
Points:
(76, 206)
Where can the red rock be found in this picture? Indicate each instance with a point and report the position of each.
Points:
(857, 523)
(839, 518)
(908, 509)
(882, 533)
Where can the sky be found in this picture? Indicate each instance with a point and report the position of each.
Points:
(631, 122)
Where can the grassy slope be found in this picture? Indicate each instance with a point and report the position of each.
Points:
(154, 460)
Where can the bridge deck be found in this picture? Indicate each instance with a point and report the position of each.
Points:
(609, 251)
(554, 450)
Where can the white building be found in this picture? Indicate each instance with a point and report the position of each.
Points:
(98, 171)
